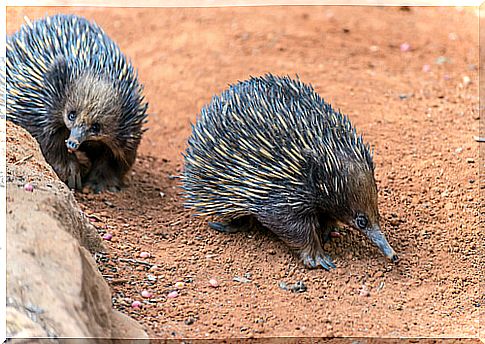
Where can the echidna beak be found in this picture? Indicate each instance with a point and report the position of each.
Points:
(377, 237)
(77, 136)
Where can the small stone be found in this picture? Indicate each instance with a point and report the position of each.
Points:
(144, 254)
(405, 47)
(466, 80)
(162, 194)
(283, 285)
(179, 285)
(458, 150)
(335, 234)
(146, 294)
(298, 287)
(190, 321)
(470, 160)
(108, 236)
(173, 294)
(374, 48)
(441, 60)
(364, 291)
(136, 304)
(29, 187)
(241, 279)
(426, 68)
(213, 283)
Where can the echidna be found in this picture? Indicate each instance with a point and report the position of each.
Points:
(270, 149)
(72, 88)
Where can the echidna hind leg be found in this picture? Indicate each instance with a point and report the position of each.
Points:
(301, 234)
(240, 224)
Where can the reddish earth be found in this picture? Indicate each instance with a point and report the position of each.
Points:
(421, 123)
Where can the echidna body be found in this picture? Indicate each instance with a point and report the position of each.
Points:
(72, 88)
(271, 149)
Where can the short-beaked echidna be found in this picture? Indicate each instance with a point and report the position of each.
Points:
(72, 88)
(271, 149)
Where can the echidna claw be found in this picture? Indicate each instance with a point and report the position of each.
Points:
(324, 261)
(74, 175)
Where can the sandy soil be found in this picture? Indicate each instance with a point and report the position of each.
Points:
(421, 123)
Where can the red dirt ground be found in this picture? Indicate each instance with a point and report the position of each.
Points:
(422, 125)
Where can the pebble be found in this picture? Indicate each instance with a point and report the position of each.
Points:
(426, 68)
(146, 294)
(405, 47)
(298, 287)
(364, 291)
(144, 254)
(190, 321)
(241, 279)
(458, 150)
(441, 60)
(179, 285)
(108, 236)
(173, 294)
(466, 80)
(470, 160)
(29, 187)
(449, 206)
(213, 283)
(374, 48)
(136, 304)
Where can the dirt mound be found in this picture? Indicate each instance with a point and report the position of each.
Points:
(54, 288)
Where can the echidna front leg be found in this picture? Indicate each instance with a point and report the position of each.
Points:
(300, 232)
(102, 177)
(107, 171)
(65, 164)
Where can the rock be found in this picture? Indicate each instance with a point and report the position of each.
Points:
(54, 288)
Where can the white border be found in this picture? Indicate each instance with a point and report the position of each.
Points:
(229, 3)
(3, 182)
(145, 3)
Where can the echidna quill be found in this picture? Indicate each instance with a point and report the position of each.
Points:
(72, 88)
(270, 149)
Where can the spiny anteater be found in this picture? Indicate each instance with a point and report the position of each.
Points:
(72, 88)
(270, 149)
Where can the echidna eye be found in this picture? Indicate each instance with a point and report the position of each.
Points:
(95, 128)
(361, 222)
(72, 115)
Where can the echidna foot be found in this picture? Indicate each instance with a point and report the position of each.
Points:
(100, 186)
(226, 227)
(319, 260)
(74, 174)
